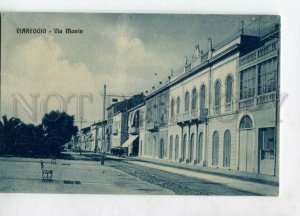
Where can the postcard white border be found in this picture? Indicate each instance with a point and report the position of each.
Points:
(288, 201)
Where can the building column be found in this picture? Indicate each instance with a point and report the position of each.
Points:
(196, 144)
(180, 146)
(205, 145)
(187, 149)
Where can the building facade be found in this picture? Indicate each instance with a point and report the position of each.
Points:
(134, 143)
(156, 123)
(221, 110)
(117, 122)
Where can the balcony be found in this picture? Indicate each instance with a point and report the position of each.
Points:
(198, 115)
(203, 114)
(246, 102)
(153, 126)
(268, 49)
(115, 131)
(217, 110)
(133, 130)
(228, 106)
(269, 97)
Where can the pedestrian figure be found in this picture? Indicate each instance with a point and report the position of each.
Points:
(80, 150)
(102, 159)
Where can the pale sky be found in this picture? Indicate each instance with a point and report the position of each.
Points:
(125, 51)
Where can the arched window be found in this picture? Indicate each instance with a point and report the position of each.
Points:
(200, 147)
(171, 148)
(183, 147)
(136, 119)
(215, 149)
(191, 154)
(202, 98)
(176, 147)
(161, 148)
(228, 89)
(187, 101)
(178, 105)
(194, 99)
(246, 122)
(217, 94)
(227, 149)
(172, 108)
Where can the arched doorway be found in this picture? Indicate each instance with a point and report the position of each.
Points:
(246, 144)
(183, 148)
(161, 149)
(171, 148)
(176, 147)
(191, 154)
(227, 149)
(215, 149)
(200, 147)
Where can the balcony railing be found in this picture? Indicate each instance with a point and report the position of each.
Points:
(266, 98)
(260, 99)
(203, 114)
(228, 106)
(195, 114)
(115, 131)
(152, 126)
(217, 110)
(192, 115)
(133, 130)
(246, 102)
(265, 50)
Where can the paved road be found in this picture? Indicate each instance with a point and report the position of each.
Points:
(118, 177)
(178, 183)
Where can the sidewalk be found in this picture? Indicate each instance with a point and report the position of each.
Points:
(245, 176)
(227, 182)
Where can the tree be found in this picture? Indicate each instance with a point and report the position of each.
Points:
(9, 134)
(58, 129)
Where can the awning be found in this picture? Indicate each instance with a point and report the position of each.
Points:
(129, 141)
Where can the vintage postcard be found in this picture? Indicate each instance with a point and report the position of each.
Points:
(140, 104)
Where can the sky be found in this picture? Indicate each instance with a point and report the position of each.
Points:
(128, 52)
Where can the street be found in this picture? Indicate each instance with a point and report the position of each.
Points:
(84, 174)
(23, 175)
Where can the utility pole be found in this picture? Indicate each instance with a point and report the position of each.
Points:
(103, 118)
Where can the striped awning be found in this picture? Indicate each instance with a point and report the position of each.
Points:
(129, 141)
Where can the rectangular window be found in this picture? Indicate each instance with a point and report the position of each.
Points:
(267, 142)
(267, 76)
(247, 83)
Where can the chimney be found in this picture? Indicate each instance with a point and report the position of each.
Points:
(210, 48)
(197, 51)
(186, 63)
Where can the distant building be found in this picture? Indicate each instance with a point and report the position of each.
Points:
(98, 133)
(134, 142)
(86, 139)
(117, 122)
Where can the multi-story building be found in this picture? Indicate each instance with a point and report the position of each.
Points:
(98, 133)
(223, 108)
(86, 139)
(135, 130)
(117, 122)
(156, 122)
(119, 128)
(258, 116)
